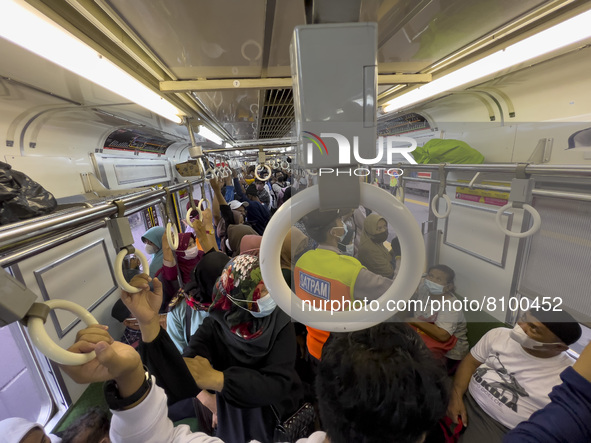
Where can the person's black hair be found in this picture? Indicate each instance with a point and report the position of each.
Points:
(560, 323)
(318, 223)
(94, 425)
(449, 272)
(380, 384)
(252, 190)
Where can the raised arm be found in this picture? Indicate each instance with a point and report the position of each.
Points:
(204, 233)
(142, 414)
(218, 198)
(238, 189)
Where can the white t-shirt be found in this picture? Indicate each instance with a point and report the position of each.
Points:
(511, 384)
(451, 320)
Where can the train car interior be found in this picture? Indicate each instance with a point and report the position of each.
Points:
(123, 109)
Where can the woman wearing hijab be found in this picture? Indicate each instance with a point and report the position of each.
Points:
(251, 244)
(244, 351)
(187, 255)
(190, 307)
(235, 235)
(372, 253)
(153, 241)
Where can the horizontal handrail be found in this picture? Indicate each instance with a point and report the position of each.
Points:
(18, 235)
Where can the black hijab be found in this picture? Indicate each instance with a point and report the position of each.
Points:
(207, 271)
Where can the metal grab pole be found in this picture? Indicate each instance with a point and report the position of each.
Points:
(36, 248)
(578, 170)
(540, 192)
(15, 235)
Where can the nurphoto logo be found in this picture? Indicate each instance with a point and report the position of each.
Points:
(386, 148)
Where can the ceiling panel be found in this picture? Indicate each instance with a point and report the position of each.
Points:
(415, 34)
(200, 38)
(288, 15)
(233, 107)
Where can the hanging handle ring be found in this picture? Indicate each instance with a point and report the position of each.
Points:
(197, 209)
(172, 236)
(256, 172)
(119, 269)
(537, 221)
(402, 287)
(47, 346)
(441, 193)
(434, 206)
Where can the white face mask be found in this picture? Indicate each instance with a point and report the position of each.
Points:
(434, 288)
(520, 336)
(345, 231)
(191, 252)
(151, 249)
(266, 305)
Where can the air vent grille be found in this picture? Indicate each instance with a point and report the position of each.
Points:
(277, 116)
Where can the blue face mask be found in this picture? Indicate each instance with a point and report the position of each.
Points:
(434, 288)
(266, 305)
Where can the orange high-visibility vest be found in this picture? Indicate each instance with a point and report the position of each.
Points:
(323, 275)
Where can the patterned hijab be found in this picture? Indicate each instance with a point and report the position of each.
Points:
(242, 281)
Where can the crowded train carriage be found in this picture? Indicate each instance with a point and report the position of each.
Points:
(281, 221)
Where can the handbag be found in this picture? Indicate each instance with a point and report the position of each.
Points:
(300, 425)
(439, 349)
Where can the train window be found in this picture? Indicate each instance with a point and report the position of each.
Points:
(556, 267)
(578, 347)
(21, 378)
(140, 222)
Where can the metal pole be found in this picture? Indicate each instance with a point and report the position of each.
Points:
(579, 170)
(36, 248)
(540, 192)
(75, 219)
(12, 234)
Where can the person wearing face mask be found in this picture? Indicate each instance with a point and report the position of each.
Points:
(153, 241)
(327, 267)
(347, 245)
(509, 373)
(263, 193)
(444, 331)
(244, 352)
(372, 252)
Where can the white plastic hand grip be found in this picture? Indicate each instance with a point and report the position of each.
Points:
(201, 202)
(284, 164)
(434, 206)
(537, 221)
(402, 288)
(190, 211)
(172, 236)
(256, 172)
(118, 268)
(48, 347)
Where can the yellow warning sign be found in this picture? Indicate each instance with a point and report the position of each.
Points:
(497, 198)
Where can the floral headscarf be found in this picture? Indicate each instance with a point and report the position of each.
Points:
(241, 279)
